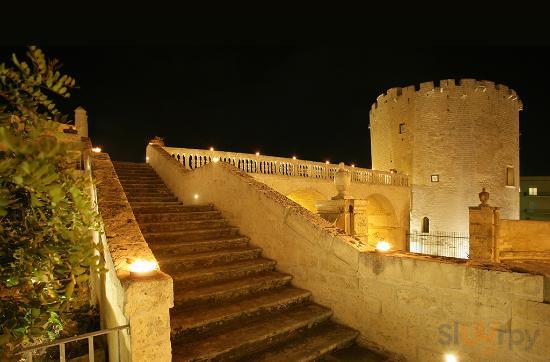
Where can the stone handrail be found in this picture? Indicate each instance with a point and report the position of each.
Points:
(377, 294)
(143, 302)
(270, 165)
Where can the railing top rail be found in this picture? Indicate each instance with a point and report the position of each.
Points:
(72, 339)
(282, 160)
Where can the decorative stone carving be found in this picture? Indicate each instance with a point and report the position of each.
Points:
(483, 197)
(81, 121)
(342, 181)
(157, 141)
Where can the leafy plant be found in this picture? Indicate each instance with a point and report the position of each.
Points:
(46, 252)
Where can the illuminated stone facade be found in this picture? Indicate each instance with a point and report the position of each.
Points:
(452, 139)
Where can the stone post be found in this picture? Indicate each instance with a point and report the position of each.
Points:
(81, 121)
(147, 306)
(484, 222)
(344, 211)
(157, 141)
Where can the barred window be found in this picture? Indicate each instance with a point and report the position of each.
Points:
(510, 176)
(425, 225)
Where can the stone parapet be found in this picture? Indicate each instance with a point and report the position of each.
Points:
(400, 302)
(460, 88)
(141, 302)
(270, 165)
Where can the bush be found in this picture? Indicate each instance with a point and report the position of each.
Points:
(46, 252)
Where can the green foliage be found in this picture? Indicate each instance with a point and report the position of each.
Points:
(46, 252)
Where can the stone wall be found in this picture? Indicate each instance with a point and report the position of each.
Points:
(523, 239)
(419, 307)
(524, 235)
(142, 302)
(388, 209)
(467, 133)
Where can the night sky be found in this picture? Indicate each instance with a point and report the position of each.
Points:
(280, 100)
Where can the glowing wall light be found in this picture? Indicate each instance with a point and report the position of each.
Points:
(383, 245)
(449, 357)
(142, 267)
(196, 196)
(96, 149)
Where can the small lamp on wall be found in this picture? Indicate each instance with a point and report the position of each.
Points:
(383, 246)
(142, 267)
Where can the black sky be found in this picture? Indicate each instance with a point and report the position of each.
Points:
(281, 100)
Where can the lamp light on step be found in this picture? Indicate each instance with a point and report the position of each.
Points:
(215, 159)
(257, 153)
(293, 157)
(96, 149)
(449, 357)
(211, 148)
(143, 268)
(383, 246)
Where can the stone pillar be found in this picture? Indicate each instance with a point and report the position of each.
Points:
(81, 121)
(157, 141)
(345, 212)
(349, 215)
(484, 222)
(147, 306)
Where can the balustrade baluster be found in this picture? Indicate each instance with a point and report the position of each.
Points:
(91, 356)
(192, 159)
(62, 352)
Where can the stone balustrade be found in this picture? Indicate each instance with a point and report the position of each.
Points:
(416, 306)
(252, 163)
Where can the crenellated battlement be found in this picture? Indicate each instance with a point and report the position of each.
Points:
(462, 87)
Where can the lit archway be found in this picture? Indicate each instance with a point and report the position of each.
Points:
(383, 223)
(307, 198)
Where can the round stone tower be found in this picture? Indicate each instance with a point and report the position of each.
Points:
(452, 140)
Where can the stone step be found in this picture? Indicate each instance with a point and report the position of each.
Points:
(311, 345)
(135, 185)
(205, 320)
(148, 192)
(169, 226)
(191, 235)
(357, 354)
(155, 203)
(230, 290)
(157, 198)
(120, 165)
(146, 209)
(188, 247)
(135, 171)
(138, 166)
(218, 273)
(253, 337)
(139, 180)
(177, 263)
(128, 176)
(178, 216)
(132, 186)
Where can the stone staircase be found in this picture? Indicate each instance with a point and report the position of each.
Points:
(230, 303)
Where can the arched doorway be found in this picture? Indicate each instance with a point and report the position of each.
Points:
(383, 222)
(307, 198)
